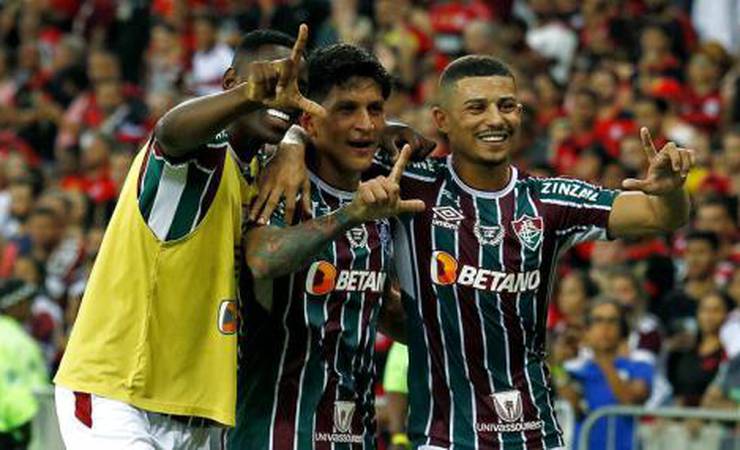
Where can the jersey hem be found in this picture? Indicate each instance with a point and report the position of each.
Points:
(148, 404)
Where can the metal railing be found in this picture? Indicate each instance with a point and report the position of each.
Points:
(666, 413)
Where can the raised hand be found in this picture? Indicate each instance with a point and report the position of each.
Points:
(381, 196)
(397, 134)
(275, 83)
(667, 170)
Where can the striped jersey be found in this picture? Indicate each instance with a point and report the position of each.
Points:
(476, 270)
(175, 193)
(306, 368)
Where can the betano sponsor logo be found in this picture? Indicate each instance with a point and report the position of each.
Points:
(446, 270)
(323, 278)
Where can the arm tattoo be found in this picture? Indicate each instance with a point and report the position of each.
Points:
(273, 252)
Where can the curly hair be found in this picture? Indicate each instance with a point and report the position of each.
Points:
(337, 64)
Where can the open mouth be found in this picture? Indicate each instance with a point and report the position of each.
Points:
(363, 144)
(493, 136)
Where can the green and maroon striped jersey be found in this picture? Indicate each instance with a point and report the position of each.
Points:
(476, 270)
(306, 367)
(175, 194)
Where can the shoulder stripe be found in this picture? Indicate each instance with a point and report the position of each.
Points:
(575, 205)
(169, 192)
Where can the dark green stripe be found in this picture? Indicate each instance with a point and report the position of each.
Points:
(187, 209)
(462, 432)
(149, 185)
(494, 329)
(527, 305)
(313, 378)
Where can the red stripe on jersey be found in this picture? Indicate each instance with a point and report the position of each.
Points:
(83, 408)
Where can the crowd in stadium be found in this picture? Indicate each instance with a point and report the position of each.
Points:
(82, 84)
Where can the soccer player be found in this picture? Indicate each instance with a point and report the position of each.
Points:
(476, 268)
(151, 362)
(306, 363)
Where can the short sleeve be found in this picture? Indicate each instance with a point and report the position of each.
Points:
(643, 371)
(174, 194)
(396, 369)
(579, 210)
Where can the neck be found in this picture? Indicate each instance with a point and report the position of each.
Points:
(483, 177)
(244, 146)
(332, 173)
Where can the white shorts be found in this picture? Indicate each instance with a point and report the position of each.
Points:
(89, 422)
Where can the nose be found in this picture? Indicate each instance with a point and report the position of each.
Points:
(493, 116)
(364, 121)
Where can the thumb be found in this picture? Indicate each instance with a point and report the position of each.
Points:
(411, 206)
(633, 184)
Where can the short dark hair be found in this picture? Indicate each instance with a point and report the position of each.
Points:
(706, 236)
(624, 329)
(252, 41)
(474, 66)
(334, 65)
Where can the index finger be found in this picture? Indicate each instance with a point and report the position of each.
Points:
(300, 44)
(403, 159)
(647, 143)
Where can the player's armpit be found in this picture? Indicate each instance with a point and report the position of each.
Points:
(637, 214)
(392, 320)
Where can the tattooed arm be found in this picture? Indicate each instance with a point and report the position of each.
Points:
(273, 252)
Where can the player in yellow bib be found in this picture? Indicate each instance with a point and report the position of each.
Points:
(151, 362)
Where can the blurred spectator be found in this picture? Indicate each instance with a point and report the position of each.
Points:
(730, 332)
(22, 369)
(396, 392)
(690, 371)
(702, 104)
(645, 331)
(211, 57)
(345, 24)
(717, 20)
(573, 295)
(678, 308)
(607, 378)
(552, 38)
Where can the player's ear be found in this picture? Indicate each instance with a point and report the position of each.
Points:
(440, 119)
(229, 78)
(308, 123)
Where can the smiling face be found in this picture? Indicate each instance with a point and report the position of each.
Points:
(348, 137)
(481, 117)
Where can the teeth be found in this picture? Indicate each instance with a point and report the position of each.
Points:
(278, 114)
(492, 138)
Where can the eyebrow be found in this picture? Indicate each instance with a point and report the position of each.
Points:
(483, 99)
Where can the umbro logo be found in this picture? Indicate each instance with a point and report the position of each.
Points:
(447, 217)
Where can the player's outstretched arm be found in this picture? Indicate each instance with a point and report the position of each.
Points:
(266, 83)
(658, 203)
(272, 252)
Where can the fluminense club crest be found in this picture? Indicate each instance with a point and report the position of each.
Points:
(529, 231)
